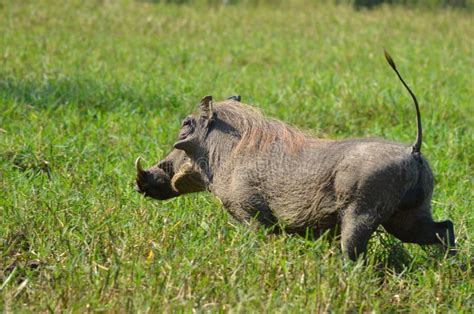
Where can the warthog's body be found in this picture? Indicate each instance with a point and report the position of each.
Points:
(269, 174)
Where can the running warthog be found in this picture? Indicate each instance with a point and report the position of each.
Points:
(269, 174)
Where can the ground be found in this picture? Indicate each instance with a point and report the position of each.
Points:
(86, 87)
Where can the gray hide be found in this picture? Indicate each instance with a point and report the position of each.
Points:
(269, 174)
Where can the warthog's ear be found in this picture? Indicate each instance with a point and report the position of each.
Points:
(185, 145)
(234, 97)
(206, 107)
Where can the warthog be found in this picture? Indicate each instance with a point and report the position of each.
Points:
(267, 173)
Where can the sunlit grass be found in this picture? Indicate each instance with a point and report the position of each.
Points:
(87, 87)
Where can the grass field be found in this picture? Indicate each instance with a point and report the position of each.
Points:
(86, 87)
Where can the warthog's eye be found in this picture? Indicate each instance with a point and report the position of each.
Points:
(187, 127)
(186, 122)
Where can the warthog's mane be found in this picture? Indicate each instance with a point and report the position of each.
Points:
(258, 132)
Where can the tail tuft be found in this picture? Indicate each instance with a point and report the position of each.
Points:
(389, 59)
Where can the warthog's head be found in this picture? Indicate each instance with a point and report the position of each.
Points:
(184, 169)
(207, 144)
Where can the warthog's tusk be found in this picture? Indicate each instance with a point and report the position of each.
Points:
(138, 165)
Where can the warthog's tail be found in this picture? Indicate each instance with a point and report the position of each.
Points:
(417, 145)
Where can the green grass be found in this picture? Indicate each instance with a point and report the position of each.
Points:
(87, 87)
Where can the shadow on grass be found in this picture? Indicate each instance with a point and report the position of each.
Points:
(370, 4)
(385, 252)
(85, 93)
(14, 250)
(390, 256)
(26, 160)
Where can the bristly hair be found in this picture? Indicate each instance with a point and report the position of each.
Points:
(258, 132)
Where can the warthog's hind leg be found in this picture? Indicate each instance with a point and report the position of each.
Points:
(423, 231)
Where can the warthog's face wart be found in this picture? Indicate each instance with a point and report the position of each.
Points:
(177, 173)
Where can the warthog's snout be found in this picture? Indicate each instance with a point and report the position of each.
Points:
(154, 182)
